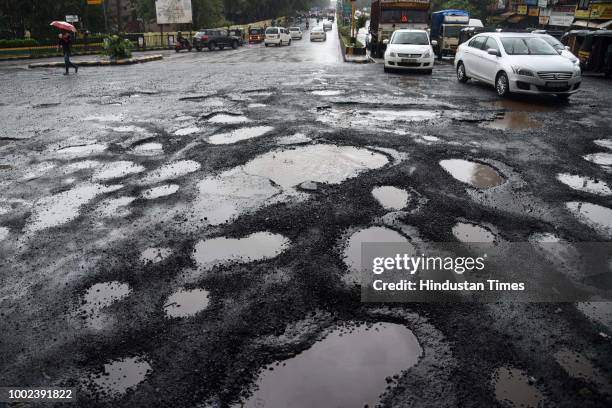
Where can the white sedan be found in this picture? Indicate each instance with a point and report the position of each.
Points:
(296, 33)
(515, 62)
(317, 34)
(409, 49)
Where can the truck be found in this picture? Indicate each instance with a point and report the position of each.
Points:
(387, 16)
(446, 26)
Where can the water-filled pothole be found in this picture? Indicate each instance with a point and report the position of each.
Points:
(585, 184)
(171, 171)
(595, 216)
(605, 159)
(468, 232)
(121, 375)
(328, 92)
(391, 198)
(600, 312)
(227, 119)
(84, 150)
(160, 191)
(476, 174)
(117, 169)
(185, 303)
(578, 366)
(254, 247)
(187, 131)
(514, 389)
(607, 143)
(325, 375)
(100, 296)
(154, 255)
(4, 233)
(148, 149)
(512, 121)
(239, 135)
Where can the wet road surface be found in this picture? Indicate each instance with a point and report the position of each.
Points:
(173, 233)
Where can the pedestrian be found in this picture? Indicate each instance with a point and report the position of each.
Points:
(65, 41)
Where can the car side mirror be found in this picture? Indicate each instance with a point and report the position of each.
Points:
(385, 42)
(493, 51)
(434, 43)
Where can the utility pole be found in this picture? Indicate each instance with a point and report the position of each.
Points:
(353, 34)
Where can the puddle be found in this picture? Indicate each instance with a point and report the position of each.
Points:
(607, 143)
(512, 121)
(121, 375)
(148, 149)
(154, 255)
(254, 247)
(160, 191)
(328, 92)
(476, 174)
(600, 312)
(129, 129)
(326, 374)
(239, 135)
(256, 105)
(38, 170)
(63, 207)
(100, 296)
(391, 198)
(468, 232)
(185, 303)
(82, 165)
(604, 159)
(578, 366)
(4, 210)
(297, 138)
(352, 250)
(187, 131)
(585, 184)
(595, 216)
(513, 389)
(85, 150)
(115, 207)
(430, 138)
(4, 233)
(117, 169)
(171, 171)
(105, 118)
(228, 119)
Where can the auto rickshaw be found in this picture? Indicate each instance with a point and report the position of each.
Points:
(574, 39)
(468, 32)
(256, 35)
(593, 51)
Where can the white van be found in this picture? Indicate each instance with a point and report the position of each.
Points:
(277, 36)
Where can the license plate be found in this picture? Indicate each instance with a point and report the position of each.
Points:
(557, 84)
(408, 60)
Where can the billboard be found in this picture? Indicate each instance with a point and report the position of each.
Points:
(173, 11)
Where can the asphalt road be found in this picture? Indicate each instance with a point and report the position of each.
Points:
(168, 230)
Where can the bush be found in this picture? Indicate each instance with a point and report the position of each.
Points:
(117, 48)
(18, 43)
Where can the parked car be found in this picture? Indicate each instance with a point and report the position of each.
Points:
(327, 25)
(517, 62)
(238, 33)
(256, 35)
(277, 36)
(409, 49)
(317, 34)
(215, 38)
(296, 33)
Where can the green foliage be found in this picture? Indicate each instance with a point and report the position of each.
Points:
(477, 8)
(18, 43)
(360, 22)
(117, 48)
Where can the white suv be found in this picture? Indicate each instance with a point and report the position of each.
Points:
(277, 36)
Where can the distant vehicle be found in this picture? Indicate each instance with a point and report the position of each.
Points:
(517, 62)
(330, 17)
(327, 25)
(446, 26)
(238, 33)
(593, 53)
(317, 34)
(213, 39)
(559, 47)
(387, 16)
(409, 49)
(295, 32)
(256, 35)
(182, 44)
(277, 36)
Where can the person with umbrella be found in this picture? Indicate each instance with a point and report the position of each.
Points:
(65, 41)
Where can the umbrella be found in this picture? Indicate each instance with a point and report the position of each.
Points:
(62, 25)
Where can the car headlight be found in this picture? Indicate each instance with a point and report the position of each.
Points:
(522, 71)
(427, 54)
(392, 54)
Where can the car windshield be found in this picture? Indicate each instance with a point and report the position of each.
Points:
(452, 31)
(272, 31)
(556, 44)
(527, 46)
(316, 29)
(294, 29)
(410, 38)
(255, 32)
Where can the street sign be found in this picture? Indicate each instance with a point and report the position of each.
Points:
(72, 19)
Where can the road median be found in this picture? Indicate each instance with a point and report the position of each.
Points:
(100, 62)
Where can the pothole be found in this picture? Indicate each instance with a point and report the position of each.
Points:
(607, 143)
(117, 169)
(187, 131)
(578, 366)
(160, 191)
(513, 388)
(85, 150)
(148, 149)
(155, 255)
(327, 92)
(600, 312)
(597, 217)
(121, 375)
(604, 159)
(115, 207)
(476, 174)
(4, 233)
(100, 296)
(297, 138)
(171, 170)
(325, 375)
(239, 135)
(227, 119)
(185, 303)
(586, 184)
(391, 198)
(512, 121)
(256, 105)
(254, 247)
(468, 232)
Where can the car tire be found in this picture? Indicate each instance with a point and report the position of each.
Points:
(386, 69)
(211, 46)
(429, 72)
(266, 44)
(502, 86)
(289, 43)
(222, 47)
(563, 97)
(176, 49)
(234, 45)
(461, 75)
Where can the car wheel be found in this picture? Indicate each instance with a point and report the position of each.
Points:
(429, 71)
(176, 49)
(289, 43)
(211, 46)
(502, 85)
(386, 69)
(563, 97)
(461, 76)
(234, 45)
(266, 44)
(222, 47)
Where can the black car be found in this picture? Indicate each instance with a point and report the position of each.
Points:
(238, 33)
(215, 38)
